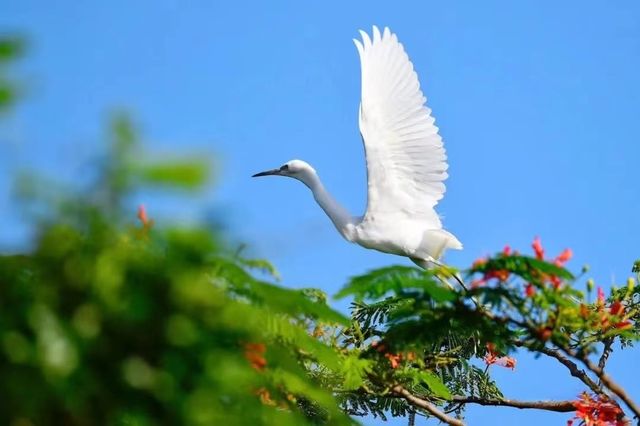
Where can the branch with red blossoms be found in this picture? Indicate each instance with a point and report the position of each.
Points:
(598, 411)
(513, 301)
(549, 311)
(606, 380)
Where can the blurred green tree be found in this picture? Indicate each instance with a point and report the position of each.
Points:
(108, 321)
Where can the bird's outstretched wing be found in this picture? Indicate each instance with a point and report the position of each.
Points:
(406, 162)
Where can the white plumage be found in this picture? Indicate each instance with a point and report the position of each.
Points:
(406, 160)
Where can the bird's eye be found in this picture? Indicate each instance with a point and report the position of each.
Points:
(284, 168)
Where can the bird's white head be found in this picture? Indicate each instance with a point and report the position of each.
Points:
(296, 169)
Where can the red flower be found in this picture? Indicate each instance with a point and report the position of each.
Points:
(492, 358)
(529, 290)
(477, 283)
(622, 325)
(479, 262)
(379, 346)
(555, 281)
(254, 353)
(506, 251)
(537, 248)
(600, 296)
(506, 361)
(584, 311)
(265, 397)
(598, 411)
(142, 215)
(501, 275)
(616, 308)
(545, 333)
(394, 359)
(563, 257)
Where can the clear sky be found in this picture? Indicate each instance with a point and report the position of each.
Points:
(537, 103)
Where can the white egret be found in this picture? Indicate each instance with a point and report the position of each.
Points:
(406, 161)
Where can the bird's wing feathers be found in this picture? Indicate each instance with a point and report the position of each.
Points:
(406, 162)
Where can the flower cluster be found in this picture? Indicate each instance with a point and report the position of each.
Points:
(607, 319)
(559, 260)
(394, 359)
(503, 275)
(254, 353)
(265, 397)
(499, 274)
(492, 358)
(598, 410)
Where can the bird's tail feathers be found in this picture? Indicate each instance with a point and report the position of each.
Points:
(436, 241)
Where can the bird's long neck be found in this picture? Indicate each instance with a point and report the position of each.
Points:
(338, 214)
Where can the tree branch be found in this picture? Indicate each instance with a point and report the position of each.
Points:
(425, 405)
(606, 380)
(607, 342)
(558, 406)
(571, 366)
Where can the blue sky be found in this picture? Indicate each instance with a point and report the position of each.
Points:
(537, 103)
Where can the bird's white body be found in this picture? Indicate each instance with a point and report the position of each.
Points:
(406, 161)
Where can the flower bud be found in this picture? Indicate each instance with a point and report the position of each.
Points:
(631, 283)
(590, 285)
(585, 268)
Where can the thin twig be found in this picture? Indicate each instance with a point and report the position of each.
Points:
(570, 365)
(425, 405)
(412, 418)
(558, 406)
(605, 379)
(607, 342)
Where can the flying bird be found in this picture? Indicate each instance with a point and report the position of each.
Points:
(406, 161)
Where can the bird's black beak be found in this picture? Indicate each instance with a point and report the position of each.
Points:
(267, 173)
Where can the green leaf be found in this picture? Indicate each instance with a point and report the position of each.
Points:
(296, 302)
(7, 95)
(354, 370)
(184, 174)
(260, 265)
(549, 268)
(376, 284)
(123, 134)
(10, 48)
(297, 385)
(434, 383)
(438, 292)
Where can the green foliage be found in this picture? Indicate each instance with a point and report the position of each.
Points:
(428, 331)
(11, 48)
(105, 321)
(190, 174)
(433, 383)
(395, 279)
